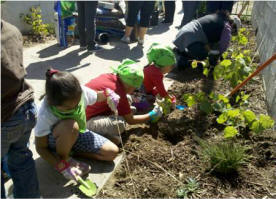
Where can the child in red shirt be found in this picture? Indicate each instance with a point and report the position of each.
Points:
(161, 61)
(128, 76)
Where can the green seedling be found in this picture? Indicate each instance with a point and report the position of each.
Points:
(191, 187)
(223, 157)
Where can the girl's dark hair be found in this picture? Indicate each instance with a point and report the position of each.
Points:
(60, 87)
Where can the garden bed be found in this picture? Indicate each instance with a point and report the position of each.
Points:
(162, 156)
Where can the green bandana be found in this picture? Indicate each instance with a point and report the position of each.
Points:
(77, 114)
(130, 73)
(161, 55)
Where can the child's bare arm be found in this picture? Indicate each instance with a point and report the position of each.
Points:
(101, 96)
(41, 144)
(136, 119)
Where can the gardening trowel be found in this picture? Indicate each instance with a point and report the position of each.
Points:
(87, 187)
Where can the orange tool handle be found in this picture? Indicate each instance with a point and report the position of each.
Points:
(269, 61)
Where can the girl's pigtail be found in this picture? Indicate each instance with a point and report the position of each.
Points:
(50, 72)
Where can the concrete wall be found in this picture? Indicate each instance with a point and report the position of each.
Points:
(11, 10)
(263, 18)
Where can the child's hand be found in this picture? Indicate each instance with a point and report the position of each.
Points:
(156, 114)
(173, 100)
(69, 172)
(112, 100)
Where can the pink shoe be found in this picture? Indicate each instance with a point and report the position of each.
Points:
(85, 168)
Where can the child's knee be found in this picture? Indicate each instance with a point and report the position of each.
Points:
(68, 127)
(110, 151)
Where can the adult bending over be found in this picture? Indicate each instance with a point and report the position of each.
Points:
(208, 36)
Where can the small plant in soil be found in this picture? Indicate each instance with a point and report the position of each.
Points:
(189, 188)
(207, 103)
(224, 157)
(40, 30)
(237, 120)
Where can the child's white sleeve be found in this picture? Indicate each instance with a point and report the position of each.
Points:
(45, 121)
(90, 96)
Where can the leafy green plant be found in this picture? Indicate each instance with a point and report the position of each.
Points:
(39, 29)
(205, 64)
(223, 157)
(191, 187)
(235, 119)
(241, 99)
(237, 64)
(207, 103)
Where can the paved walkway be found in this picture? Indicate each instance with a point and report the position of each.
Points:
(84, 66)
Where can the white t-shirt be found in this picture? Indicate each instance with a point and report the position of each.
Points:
(46, 119)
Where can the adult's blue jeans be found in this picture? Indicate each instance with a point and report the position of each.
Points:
(15, 134)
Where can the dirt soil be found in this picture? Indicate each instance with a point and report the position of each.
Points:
(162, 156)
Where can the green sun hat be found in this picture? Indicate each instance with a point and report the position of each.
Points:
(130, 73)
(161, 55)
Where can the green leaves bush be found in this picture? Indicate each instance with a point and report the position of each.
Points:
(223, 157)
(237, 64)
(207, 103)
(237, 118)
(39, 29)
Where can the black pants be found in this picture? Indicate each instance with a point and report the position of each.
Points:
(189, 11)
(196, 51)
(86, 22)
(213, 6)
(145, 8)
(169, 11)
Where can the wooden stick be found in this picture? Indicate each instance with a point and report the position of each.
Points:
(269, 61)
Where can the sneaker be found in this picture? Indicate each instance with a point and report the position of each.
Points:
(141, 41)
(96, 47)
(166, 22)
(85, 168)
(83, 48)
(125, 39)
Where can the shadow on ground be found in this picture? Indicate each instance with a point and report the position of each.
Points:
(121, 51)
(161, 28)
(69, 62)
(50, 51)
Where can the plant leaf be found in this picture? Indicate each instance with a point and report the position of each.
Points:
(249, 116)
(206, 107)
(243, 40)
(230, 132)
(191, 101)
(222, 118)
(194, 64)
(206, 72)
(266, 121)
(233, 113)
(226, 63)
(223, 98)
(256, 127)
